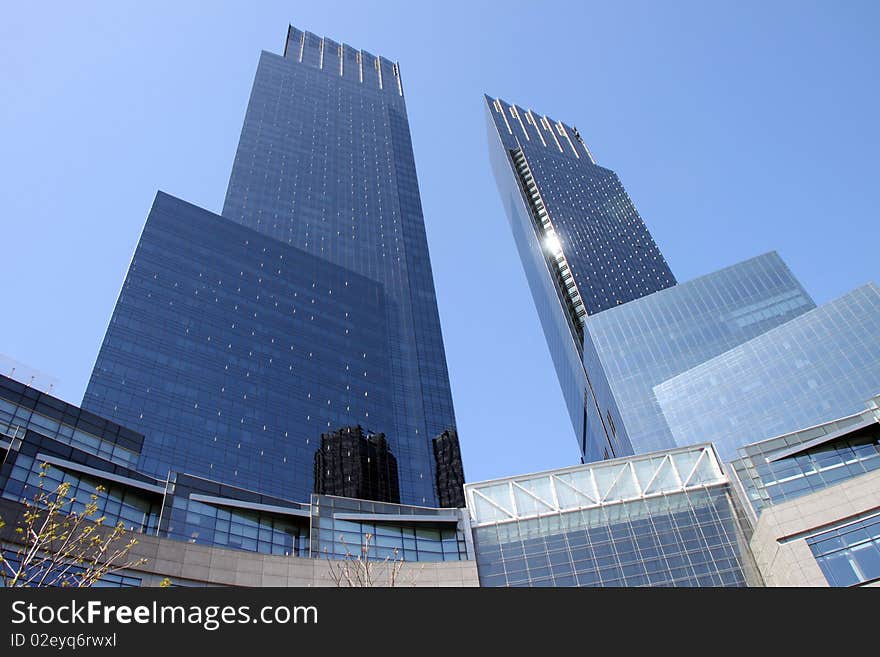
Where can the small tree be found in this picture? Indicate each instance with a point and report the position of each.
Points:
(59, 546)
(358, 570)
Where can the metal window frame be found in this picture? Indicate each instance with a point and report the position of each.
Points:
(250, 506)
(625, 478)
(100, 474)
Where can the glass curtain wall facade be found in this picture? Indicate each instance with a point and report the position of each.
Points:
(233, 352)
(87, 451)
(616, 322)
(849, 554)
(325, 164)
(815, 368)
(664, 519)
(80, 449)
(583, 246)
(344, 527)
(308, 306)
(647, 341)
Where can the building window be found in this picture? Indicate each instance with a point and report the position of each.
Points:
(850, 554)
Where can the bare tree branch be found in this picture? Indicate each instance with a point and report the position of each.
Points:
(361, 571)
(60, 546)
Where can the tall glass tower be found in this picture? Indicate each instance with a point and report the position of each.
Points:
(618, 325)
(307, 306)
(584, 249)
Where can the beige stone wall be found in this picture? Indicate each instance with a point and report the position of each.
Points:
(779, 542)
(223, 567)
(219, 566)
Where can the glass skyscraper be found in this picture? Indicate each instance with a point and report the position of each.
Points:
(583, 246)
(308, 306)
(616, 322)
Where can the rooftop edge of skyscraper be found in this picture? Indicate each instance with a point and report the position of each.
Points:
(561, 139)
(342, 59)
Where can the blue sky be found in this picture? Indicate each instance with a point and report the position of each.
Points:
(736, 127)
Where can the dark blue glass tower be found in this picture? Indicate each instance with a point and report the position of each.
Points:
(309, 305)
(584, 249)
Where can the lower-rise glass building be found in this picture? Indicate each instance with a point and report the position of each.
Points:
(800, 509)
(812, 369)
(641, 344)
(663, 519)
(234, 525)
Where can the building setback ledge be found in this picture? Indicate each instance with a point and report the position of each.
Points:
(252, 506)
(101, 474)
(393, 517)
(815, 442)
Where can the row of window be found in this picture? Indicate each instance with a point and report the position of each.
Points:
(850, 554)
